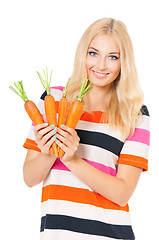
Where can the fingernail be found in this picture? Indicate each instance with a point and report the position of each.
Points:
(52, 126)
(62, 126)
(46, 124)
(55, 129)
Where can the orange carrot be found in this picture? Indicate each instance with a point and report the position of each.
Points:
(62, 113)
(50, 105)
(63, 106)
(76, 108)
(33, 112)
(74, 114)
(30, 106)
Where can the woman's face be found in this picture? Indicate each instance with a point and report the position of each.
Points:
(103, 60)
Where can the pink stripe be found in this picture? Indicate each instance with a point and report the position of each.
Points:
(103, 168)
(140, 135)
(57, 87)
(60, 166)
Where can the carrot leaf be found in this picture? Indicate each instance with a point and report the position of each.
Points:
(87, 88)
(20, 88)
(50, 78)
(46, 81)
(65, 89)
(84, 89)
(42, 80)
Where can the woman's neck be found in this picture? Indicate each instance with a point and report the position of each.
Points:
(98, 98)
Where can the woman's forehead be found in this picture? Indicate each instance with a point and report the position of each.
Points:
(105, 42)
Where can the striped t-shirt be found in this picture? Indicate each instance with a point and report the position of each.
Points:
(69, 208)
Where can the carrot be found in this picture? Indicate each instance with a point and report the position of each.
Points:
(62, 113)
(30, 106)
(49, 104)
(74, 114)
(76, 108)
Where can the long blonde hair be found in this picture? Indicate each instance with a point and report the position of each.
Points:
(126, 96)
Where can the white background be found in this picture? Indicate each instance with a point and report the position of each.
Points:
(35, 34)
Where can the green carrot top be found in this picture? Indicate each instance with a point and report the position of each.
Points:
(84, 89)
(46, 81)
(64, 93)
(20, 88)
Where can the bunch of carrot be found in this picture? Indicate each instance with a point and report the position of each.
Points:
(68, 117)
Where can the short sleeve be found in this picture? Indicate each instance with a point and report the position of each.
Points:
(135, 150)
(30, 140)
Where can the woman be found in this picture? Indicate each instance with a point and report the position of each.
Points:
(85, 192)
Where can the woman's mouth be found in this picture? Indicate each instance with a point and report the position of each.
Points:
(99, 75)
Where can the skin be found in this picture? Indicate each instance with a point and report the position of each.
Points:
(103, 67)
(37, 164)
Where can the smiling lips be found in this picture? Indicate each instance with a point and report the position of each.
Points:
(99, 75)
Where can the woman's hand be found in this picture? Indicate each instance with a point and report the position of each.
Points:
(68, 140)
(44, 136)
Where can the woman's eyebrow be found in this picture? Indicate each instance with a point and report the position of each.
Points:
(98, 51)
(115, 53)
(94, 49)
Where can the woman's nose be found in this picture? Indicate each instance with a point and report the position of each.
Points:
(101, 64)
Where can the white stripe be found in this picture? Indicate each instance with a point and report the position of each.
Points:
(85, 211)
(101, 128)
(97, 154)
(135, 148)
(64, 178)
(56, 93)
(144, 122)
(69, 235)
(31, 133)
(41, 106)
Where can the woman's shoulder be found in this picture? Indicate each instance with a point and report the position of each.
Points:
(143, 120)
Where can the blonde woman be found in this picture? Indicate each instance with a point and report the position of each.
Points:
(85, 193)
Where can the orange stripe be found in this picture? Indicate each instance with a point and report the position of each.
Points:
(78, 195)
(31, 144)
(134, 161)
(94, 116)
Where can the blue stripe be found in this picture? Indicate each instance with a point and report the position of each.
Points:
(102, 140)
(43, 95)
(144, 111)
(86, 226)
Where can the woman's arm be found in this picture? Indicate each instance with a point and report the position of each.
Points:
(36, 167)
(38, 164)
(117, 189)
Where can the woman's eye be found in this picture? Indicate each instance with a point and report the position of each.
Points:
(91, 53)
(113, 57)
